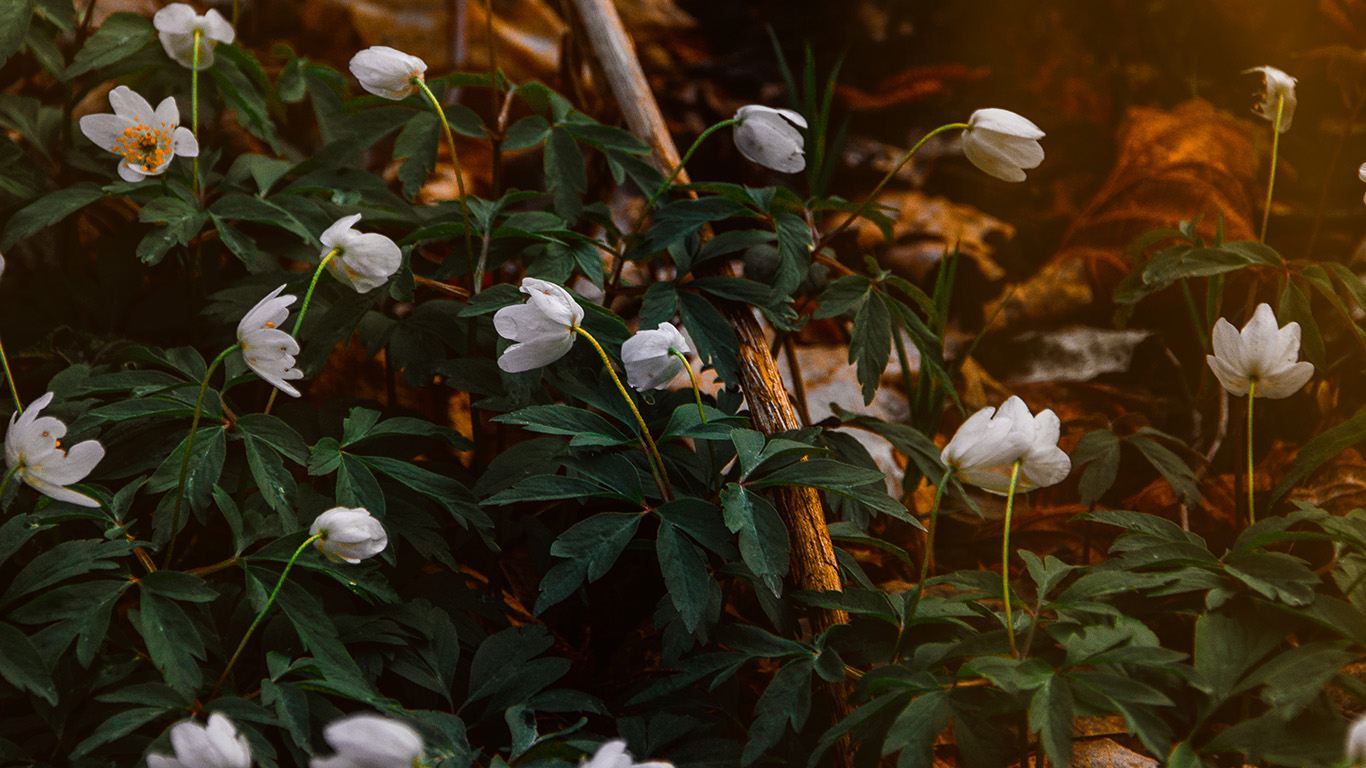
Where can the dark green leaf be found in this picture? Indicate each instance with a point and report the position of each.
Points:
(121, 35)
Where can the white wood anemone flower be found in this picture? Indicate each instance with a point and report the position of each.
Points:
(349, 535)
(984, 450)
(649, 359)
(176, 24)
(269, 351)
(387, 72)
(364, 260)
(1263, 354)
(33, 453)
(216, 745)
(1361, 174)
(543, 327)
(1002, 143)
(147, 139)
(370, 741)
(1279, 86)
(1356, 742)
(769, 137)
(613, 754)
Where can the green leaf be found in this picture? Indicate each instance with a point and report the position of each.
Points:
(1321, 448)
(917, 726)
(172, 641)
(762, 535)
(1176, 472)
(1098, 451)
(416, 146)
(179, 586)
(117, 726)
(206, 466)
(786, 700)
(585, 427)
(14, 20)
(48, 210)
(64, 561)
(120, 36)
(1050, 716)
(22, 666)
(565, 177)
(597, 541)
(1275, 576)
(870, 344)
(842, 295)
(526, 133)
(684, 567)
(278, 435)
(239, 78)
(272, 479)
(548, 488)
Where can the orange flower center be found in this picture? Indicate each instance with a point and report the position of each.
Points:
(146, 148)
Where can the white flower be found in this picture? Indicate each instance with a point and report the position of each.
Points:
(370, 741)
(348, 534)
(648, 357)
(217, 745)
(1279, 86)
(364, 261)
(1262, 353)
(269, 351)
(613, 754)
(146, 138)
(543, 327)
(1356, 742)
(33, 453)
(768, 137)
(387, 72)
(986, 447)
(1361, 174)
(1002, 143)
(176, 25)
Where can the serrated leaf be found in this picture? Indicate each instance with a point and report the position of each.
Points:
(121, 35)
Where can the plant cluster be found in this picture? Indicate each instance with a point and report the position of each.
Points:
(190, 568)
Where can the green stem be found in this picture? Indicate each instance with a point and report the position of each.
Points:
(1005, 555)
(235, 6)
(299, 319)
(262, 614)
(194, 103)
(189, 448)
(654, 198)
(1275, 147)
(657, 462)
(459, 180)
(927, 561)
(692, 377)
(873, 195)
(9, 377)
(1251, 509)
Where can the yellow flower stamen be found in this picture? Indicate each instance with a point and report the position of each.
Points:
(145, 148)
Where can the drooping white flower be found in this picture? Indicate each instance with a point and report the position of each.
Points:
(176, 25)
(613, 754)
(33, 453)
(148, 139)
(1263, 353)
(1279, 86)
(364, 261)
(543, 327)
(370, 741)
(269, 351)
(648, 357)
(1002, 143)
(770, 137)
(387, 72)
(984, 450)
(348, 534)
(217, 745)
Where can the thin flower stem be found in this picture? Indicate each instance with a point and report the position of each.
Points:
(9, 377)
(1005, 555)
(654, 198)
(235, 7)
(927, 562)
(1275, 147)
(459, 179)
(189, 448)
(194, 99)
(696, 390)
(1251, 508)
(299, 319)
(657, 462)
(873, 195)
(262, 614)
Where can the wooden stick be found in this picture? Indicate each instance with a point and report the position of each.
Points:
(813, 555)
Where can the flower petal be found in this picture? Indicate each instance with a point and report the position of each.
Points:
(105, 129)
(128, 103)
(176, 18)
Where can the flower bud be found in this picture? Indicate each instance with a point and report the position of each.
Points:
(370, 741)
(387, 72)
(348, 534)
(1002, 143)
(769, 137)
